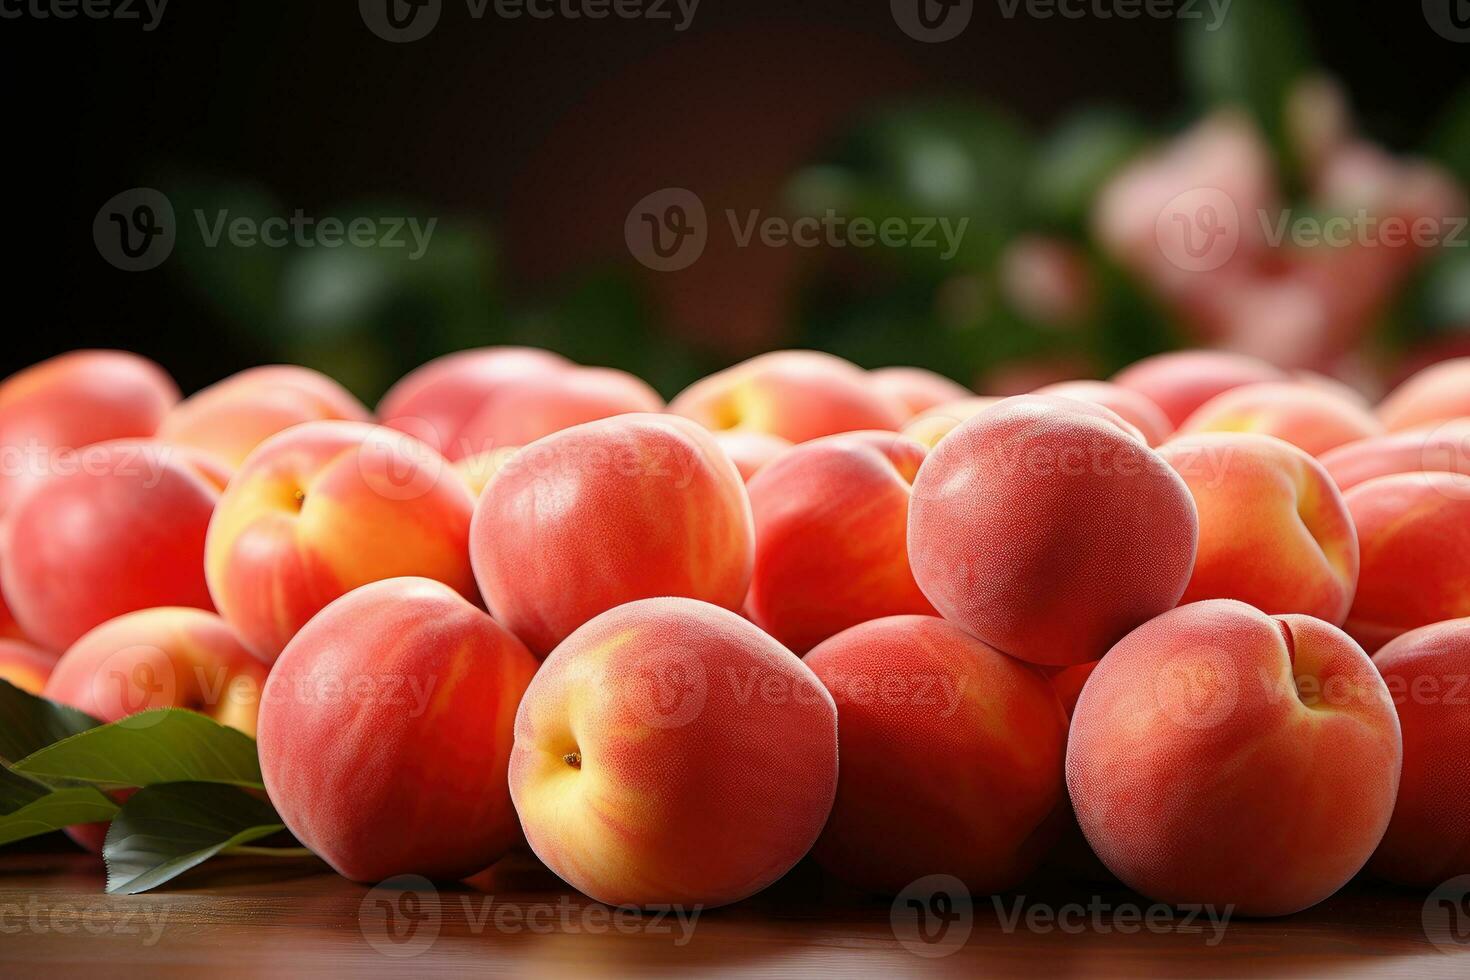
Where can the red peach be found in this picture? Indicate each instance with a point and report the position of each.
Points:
(1428, 673)
(1132, 407)
(1069, 681)
(930, 426)
(1224, 757)
(520, 411)
(1181, 381)
(1414, 531)
(951, 757)
(600, 514)
(1049, 529)
(25, 666)
(1431, 449)
(669, 752)
(1438, 393)
(325, 507)
(795, 394)
(386, 731)
(750, 451)
(1274, 531)
(831, 537)
(1307, 416)
(230, 418)
(916, 389)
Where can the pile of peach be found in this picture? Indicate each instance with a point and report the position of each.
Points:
(1214, 615)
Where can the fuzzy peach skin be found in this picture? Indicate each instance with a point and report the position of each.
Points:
(520, 411)
(1438, 393)
(1221, 756)
(9, 628)
(1443, 448)
(1274, 531)
(1132, 407)
(1181, 381)
(1307, 416)
(1048, 528)
(386, 730)
(795, 394)
(323, 508)
(831, 537)
(119, 527)
(600, 514)
(230, 418)
(1414, 531)
(1428, 673)
(669, 752)
(928, 427)
(750, 451)
(25, 666)
(916, 389)
(75, 400)
(435, 402)
(951, 757)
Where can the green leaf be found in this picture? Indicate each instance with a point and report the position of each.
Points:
(1450, 143)
(29, 723)
(17, 791)
(163, 831)
(56, 810)
(168, 745)
(1077, 159)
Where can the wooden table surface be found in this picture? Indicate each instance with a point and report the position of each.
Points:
(236, 918)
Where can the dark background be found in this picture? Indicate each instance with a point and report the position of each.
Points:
(545, 132)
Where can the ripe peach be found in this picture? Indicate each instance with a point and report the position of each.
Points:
(1438, 393)
(436, 401)
(1414, 531)
(916, 389)
(795, 394)
(1181, 381)
(951, 757)
(930, 426)
(1222, 756)
(750, 451)
(670, 752)
(600, 514)
(1307, 416)
(520, 411)
(323, 508)
(831, 537)
(1274, 531)
(9, 628)
(1132, 407)
(1048, 528)
(230, 418)
(1069, 681)
(1431, 449)
(386, 731)
(118, 526)
(1428, 673)
(25, 666)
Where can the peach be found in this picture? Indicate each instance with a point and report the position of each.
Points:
(116, 527)
(436, 401)
(1438, 393)
(25, 666)
(1307, 416)
(1220, 756)
(831, 537)
(600, 514)
(916, 389)
(1428, 674)
(1132, 407)
(750, 451)
(1179, 382)
(1069, 681)
(669, 752)
(795, 394)
(325, 507)
(1048, 528)
(1431, 449)
(520, 411)
(230, 418)
(386, 731)
(1414, 531)
(930, 426)
(1274, 531)
(9, 628)
(951, 757)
